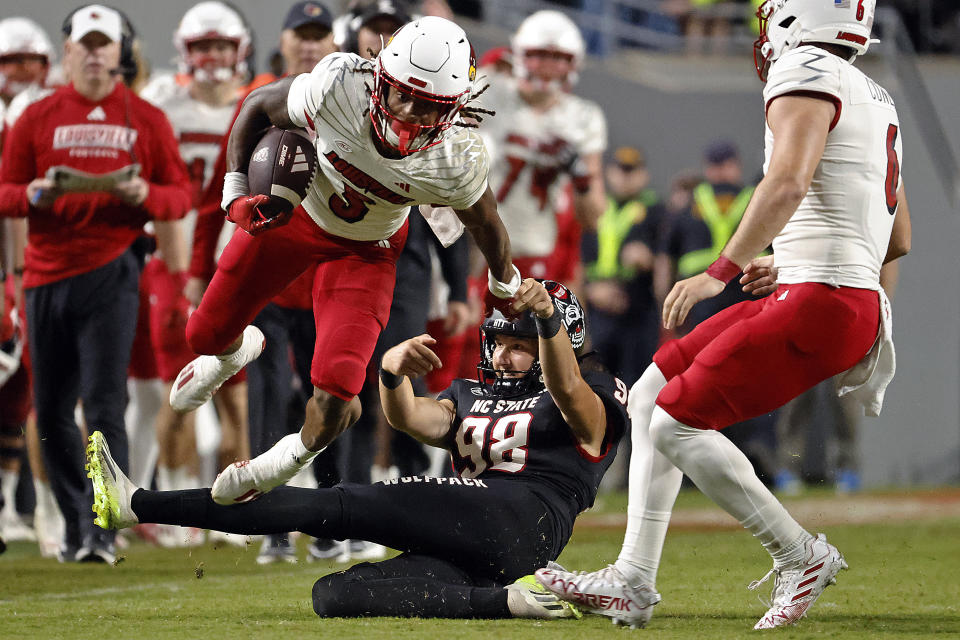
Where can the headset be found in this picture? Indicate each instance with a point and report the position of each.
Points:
(128, 62)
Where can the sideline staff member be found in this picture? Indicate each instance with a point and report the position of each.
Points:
(80, 275)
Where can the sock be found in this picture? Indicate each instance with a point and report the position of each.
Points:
(654, 483)
(281, 462)
(172, 478)
(46, 501)
(146, 397)
(8, 485)
(722, 472)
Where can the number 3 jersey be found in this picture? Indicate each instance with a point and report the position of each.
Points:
(357, 193)
(840, 232)
(526, 439)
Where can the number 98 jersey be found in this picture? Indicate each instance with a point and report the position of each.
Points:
(840, 232)
(525, 438)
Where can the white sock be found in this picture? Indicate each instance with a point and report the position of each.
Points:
(46, 501)
(9, 480)
(146, 397)
(724, 474)
(172, 478)
(654, 483)
(281, 462)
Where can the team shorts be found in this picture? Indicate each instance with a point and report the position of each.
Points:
(754, 357)
(352, 292)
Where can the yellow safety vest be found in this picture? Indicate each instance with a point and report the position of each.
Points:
(721, 223)
(612, 229)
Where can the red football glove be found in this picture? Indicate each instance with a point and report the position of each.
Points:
(503, 305)
(245, 212)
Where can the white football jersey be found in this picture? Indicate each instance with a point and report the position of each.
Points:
(840, 232)
(199, 127)
(357, 193)
(23, 100)
(527, 146)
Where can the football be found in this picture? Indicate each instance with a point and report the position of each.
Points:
(282, 166)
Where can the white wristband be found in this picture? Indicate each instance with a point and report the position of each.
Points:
(234, 186)
(504, 289)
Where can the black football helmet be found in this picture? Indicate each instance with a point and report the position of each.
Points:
(496, 382)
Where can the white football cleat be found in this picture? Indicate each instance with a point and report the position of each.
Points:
(605, 592)
(112, 490)
(797, 588)
(13, 528)
(526, 598)
(200, 379)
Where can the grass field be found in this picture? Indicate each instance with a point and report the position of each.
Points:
(902, 583)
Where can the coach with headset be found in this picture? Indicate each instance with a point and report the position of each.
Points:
(88, 166)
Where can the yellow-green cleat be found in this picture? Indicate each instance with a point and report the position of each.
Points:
(112, 489)
(527, 598)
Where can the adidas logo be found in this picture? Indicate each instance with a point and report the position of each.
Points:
(97, 114)
(403, 185)
(299, 161)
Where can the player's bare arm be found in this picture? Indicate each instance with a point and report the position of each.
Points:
(590, 203)
(263, 107)
(484, 224)
(901, 234)
(581, 407)
(425, 419)
(800, 125)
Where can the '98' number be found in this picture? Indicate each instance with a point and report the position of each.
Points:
(501, 448)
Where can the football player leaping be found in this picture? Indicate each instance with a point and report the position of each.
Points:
(529, 442)
(388, 135)
(832, 204)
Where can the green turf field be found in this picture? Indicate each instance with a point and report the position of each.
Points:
(903, 582)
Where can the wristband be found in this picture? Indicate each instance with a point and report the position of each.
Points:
(390, 380)
(504, 289)
(235, 186)
(723, 269)
(548, 327)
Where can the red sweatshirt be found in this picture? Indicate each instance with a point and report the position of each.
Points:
(84, 231)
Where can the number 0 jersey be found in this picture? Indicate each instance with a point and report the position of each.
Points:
(357, 193)
(525, 438)
(840, 232)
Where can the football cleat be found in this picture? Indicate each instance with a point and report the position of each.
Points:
(526, 598)
(200, 379)
(277, 548)
(605, 592)
(112, 490)
(13, 528)
(797, 588)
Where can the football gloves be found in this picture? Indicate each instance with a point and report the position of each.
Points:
(245, 212)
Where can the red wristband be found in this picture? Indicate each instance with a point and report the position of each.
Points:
(723, 269)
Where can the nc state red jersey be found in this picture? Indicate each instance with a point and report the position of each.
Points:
(840, 232)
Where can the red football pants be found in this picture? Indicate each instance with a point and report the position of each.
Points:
(352, 292)
(753, 357)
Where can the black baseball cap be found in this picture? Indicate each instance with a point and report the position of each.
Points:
(719, 151)
(310, 12)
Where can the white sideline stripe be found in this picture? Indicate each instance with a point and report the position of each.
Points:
(286, 193)
(150, 586)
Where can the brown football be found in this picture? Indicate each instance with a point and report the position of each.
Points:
(282, 166)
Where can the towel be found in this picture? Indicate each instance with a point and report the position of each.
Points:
(867, 381)
(444, 222)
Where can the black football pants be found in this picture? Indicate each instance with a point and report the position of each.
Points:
(462, 540)
(81, 331)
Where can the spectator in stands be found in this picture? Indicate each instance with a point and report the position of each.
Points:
(80, 274)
